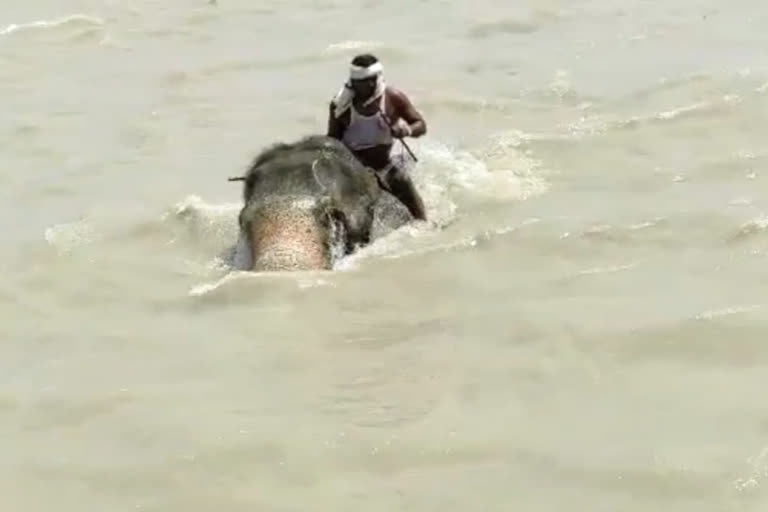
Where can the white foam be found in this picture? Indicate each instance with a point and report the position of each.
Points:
(647, 224)
(680, 111)
(733, 310)
(755, 225)
(512, 174)
(592, 125)
(605, 270)
(395, 244)
(561, 85)
(205, 221)
(68, 236)
(207, 288)
(195, 204)
(344, 46)
(500, 172)
(234, 279)
(740, 201)
(758, 472)
(44, 24)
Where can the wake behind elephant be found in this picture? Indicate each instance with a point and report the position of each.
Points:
(308, 202)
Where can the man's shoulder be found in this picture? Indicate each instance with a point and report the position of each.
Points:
(397, 97)
(395, 92)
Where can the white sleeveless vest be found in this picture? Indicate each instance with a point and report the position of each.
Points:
(367, 131)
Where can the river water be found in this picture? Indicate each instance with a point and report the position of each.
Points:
(582, 326)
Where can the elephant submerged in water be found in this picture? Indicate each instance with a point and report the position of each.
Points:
(309, 202)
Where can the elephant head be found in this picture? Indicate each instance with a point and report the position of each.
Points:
(305, 203)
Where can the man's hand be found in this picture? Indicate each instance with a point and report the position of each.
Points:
(401, 130)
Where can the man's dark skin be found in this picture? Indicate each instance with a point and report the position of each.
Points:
(398, 107)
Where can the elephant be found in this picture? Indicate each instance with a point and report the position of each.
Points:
(310, 202)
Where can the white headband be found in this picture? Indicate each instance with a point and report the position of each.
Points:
(361, 73)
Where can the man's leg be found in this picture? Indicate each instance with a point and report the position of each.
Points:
(401, 186)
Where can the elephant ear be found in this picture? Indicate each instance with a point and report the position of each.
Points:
(346, 181)
(325, 176)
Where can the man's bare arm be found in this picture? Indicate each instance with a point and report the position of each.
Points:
(410, 114)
